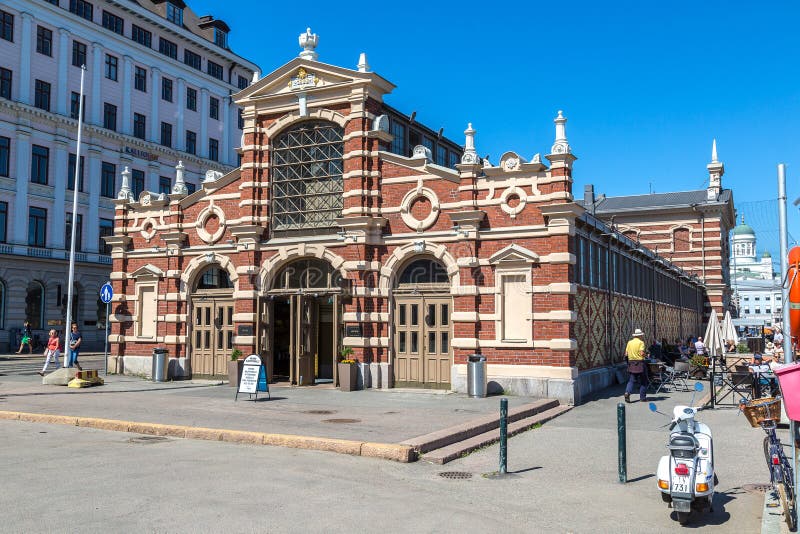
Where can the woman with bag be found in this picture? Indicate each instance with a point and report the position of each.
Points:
(51, 351)
(637, 370)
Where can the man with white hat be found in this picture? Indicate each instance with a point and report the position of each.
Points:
(637, 371)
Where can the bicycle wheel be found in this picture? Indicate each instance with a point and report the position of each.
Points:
(767, 455)
(786, 504)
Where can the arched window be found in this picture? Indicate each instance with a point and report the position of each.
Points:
(214, 277)
(311, 273)
(306, 176)
(680, 240)
(34, 304)
(424, 271)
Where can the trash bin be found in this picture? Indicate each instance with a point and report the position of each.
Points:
(159, 364)
(476, 375)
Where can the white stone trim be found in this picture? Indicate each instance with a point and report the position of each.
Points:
(294, 116)
(405, 208)
(526, 371)
(366, 342)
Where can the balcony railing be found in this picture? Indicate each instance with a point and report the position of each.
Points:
(37, 252)
(52, 253)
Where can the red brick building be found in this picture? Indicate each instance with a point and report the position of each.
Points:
(689, 228)
(349, 224)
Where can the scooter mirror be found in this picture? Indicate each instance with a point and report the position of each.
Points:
(698, 386)
(653, 407)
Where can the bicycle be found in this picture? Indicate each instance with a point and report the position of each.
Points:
(765, 413)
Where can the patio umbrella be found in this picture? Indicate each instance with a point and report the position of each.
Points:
(713, 338)
(728, 330)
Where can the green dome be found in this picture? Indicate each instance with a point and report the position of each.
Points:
(744, 229)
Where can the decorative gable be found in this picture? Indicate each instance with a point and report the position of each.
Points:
(514, 254)
(147, 272)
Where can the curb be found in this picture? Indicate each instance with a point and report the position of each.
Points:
(386, 451)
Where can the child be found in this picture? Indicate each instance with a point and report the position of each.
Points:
(51, 351)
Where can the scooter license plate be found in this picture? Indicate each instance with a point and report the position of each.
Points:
(681, 484)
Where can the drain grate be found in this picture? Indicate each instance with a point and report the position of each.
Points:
(320, 412)
(456, 475)
(341, 421)
(147, 439)
(756, 488)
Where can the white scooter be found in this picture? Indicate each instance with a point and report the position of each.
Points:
(686, 475)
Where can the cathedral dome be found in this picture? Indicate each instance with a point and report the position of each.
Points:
(744, 230)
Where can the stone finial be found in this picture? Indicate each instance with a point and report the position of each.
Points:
(308, 41)
(256, 75)
(381, 124)
(125, 190)
(180, 184)
(422, 152)
(470, 156)
(561, 145)
(363, 66)
(212, 176)
(715, 171)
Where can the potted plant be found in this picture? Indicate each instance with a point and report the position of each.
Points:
(348, 370)
(698, 366)
(235, 367)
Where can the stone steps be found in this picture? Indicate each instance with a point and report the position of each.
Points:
(461, 448)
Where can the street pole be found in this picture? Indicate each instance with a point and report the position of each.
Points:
(75, 186)
(622, 445)
(788, 347)
(503, 436)
(105, 359)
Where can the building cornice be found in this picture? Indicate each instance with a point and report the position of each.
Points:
(34, 113)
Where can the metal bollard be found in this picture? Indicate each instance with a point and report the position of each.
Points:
(622, 446)
(503, 435)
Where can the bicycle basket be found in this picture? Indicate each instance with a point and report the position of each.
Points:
(759, 410)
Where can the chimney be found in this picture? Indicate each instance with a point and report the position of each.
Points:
(588, 197)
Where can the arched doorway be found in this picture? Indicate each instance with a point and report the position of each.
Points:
(212, 322)
(422, 325)
(299, 326)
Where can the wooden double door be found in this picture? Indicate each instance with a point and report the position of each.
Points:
(422, 335)
(212, 335)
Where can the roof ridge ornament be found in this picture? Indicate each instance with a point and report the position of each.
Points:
(714, 151)
(125, 190)
(561, 145)
(308, 41)
(470, 156)
(363, 66)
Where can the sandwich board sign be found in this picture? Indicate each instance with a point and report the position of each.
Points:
(254, 378)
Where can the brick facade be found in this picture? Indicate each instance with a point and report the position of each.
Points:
(503, 234)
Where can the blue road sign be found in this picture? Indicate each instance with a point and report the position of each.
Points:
(106, 293)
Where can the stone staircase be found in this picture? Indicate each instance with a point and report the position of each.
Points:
(451, 443)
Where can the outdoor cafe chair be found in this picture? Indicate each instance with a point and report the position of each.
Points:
(655, 371)
(675, 377)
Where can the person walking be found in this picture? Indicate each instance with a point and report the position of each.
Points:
(637, 370)
(74, 347)
(51, 351)
(27, 338)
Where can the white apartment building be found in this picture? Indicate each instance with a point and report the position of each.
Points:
(157, 91)
(754, 281)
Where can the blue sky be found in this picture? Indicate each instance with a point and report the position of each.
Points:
(645, 85)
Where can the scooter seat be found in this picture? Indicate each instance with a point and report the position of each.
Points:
(683, 445)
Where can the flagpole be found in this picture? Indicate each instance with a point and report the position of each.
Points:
(75, 187)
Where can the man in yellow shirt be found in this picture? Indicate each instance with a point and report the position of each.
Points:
(637, 370)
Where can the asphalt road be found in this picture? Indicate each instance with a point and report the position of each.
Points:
(563, 479)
